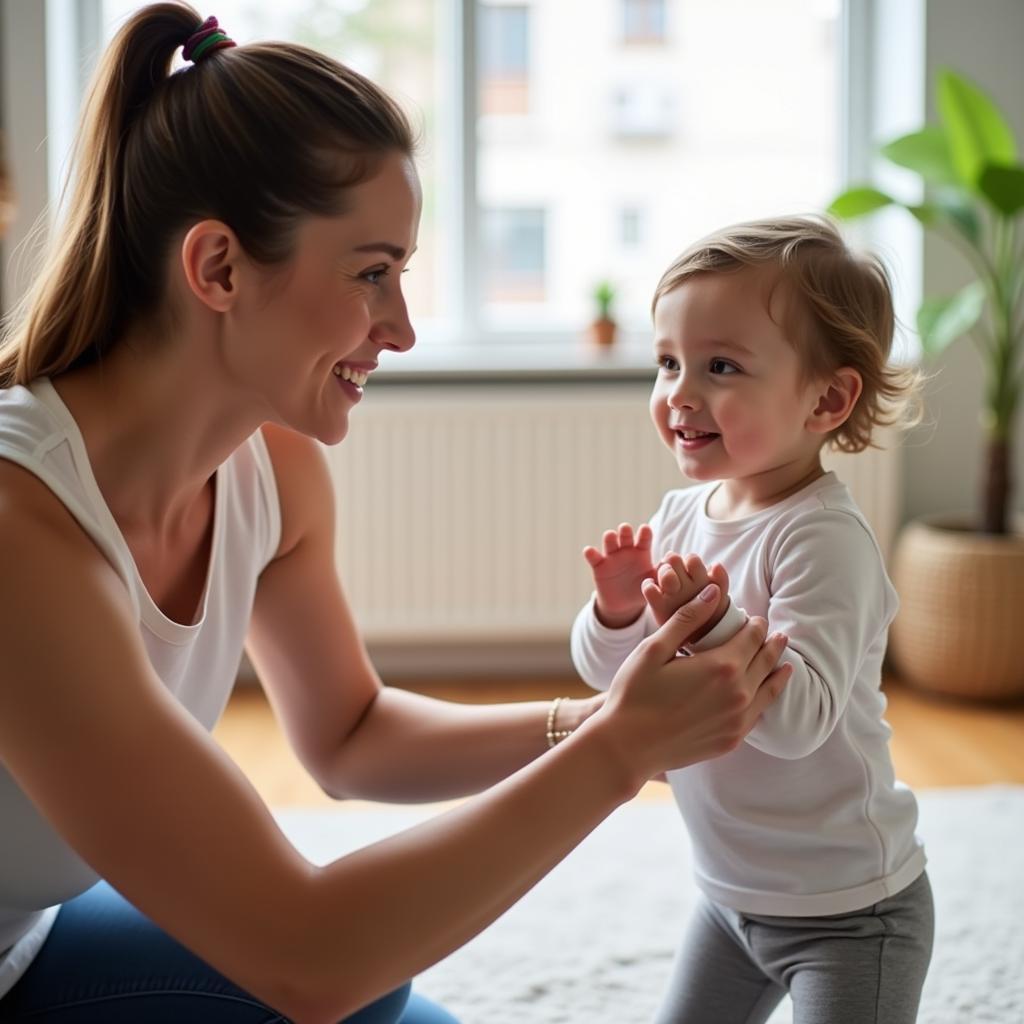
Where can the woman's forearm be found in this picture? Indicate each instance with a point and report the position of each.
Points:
(422, 894)
(410, 748)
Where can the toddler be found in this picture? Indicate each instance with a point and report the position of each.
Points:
(772, 340)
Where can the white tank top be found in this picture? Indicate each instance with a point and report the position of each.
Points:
(198, 663)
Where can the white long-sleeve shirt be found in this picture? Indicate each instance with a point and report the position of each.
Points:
(805, 818)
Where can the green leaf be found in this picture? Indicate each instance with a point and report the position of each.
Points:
(976, 131)
(951, 210)
(941, 321)
(927, 153)
(927, 213)
(856, 202)
(1003, 187)
(956, 208)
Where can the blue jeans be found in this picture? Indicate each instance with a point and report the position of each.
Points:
(104, 963)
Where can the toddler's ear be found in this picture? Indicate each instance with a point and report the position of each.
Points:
(836, 402)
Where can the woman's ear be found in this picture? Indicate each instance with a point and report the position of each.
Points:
(836, 401)
(210, 259)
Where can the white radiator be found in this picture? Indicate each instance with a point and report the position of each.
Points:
(462, 511)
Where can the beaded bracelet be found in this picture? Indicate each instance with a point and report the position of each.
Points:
(555, 735)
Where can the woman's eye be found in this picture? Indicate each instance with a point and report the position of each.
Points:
(721, 366)
(376, 275)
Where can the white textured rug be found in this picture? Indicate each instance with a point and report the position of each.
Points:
(593, 942)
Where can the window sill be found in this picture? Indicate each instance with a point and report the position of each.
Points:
(522, 362)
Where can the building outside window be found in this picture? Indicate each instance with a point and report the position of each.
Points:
(631, 226)
(735, 115)
(643, 21)
(514, 260)
(504, 64)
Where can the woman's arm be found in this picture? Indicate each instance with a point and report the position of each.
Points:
(355, 737)
(145, 796)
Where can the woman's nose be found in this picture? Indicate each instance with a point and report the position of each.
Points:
(395, 331)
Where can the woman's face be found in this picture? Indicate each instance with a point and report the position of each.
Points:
(313, 331)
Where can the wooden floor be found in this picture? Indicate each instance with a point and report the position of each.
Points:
(935, 742)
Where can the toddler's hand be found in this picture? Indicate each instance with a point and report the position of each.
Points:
(676, 581)
(619, 570)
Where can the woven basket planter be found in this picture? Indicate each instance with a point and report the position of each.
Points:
(960, 627)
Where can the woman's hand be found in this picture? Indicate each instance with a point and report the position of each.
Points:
(620, 569)
(678, 580)
(665, 711)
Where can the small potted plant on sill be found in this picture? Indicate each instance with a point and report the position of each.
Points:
(603, 328)
(961, 583)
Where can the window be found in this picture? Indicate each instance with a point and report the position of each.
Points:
(643, 21)
(554, 156)
(631, 227)
(513, 251)
(644, 110)
(701, 144)
(394, 42)
(504, 59)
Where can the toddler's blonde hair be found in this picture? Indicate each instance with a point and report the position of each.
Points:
(843, 314)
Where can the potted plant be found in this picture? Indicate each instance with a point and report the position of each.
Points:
(603, 328)
(961, 583)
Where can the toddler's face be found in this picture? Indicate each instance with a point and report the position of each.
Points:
(729, 399)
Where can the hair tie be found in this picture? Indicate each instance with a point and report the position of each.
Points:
(207, 38)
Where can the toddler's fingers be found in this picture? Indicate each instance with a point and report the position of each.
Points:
(610, 539)
(663, 645)
(593, 556)
(719, 576)
(696, 570)
(661, 605)
(625, 535)
(644, 536)
(668, 579)
(677, 563)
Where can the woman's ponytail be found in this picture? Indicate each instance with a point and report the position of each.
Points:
(70, 315)
(257, 136)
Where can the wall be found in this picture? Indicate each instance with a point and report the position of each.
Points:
(985, 41)
(24, 110)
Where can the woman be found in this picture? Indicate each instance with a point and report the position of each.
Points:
(227, 276)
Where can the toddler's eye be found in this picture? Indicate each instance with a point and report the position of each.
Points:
(667, 363)
(722, 366)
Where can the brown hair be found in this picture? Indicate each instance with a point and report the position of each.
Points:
(257, 136)
(844, 314)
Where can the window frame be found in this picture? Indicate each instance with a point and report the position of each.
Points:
(862, 118)
(469, 333)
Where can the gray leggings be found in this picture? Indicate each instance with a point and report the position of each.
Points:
(865, 967)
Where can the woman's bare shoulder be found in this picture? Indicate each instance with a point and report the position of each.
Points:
(303, 481)
(30, 513)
